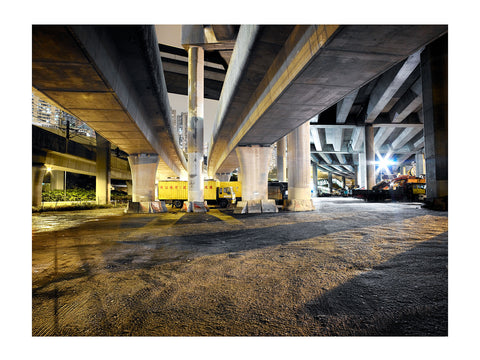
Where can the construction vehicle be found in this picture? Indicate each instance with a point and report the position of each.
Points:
(175, 192)
(276, 190)
(236, 186)
(401, 188)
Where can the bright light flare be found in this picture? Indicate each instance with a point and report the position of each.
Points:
(384, 163)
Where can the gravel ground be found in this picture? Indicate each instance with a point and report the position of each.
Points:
(347, 268)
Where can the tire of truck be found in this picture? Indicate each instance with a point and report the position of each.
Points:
(178, 203)
(223, 203)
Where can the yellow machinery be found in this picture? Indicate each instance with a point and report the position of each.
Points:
(176, 192)
(235, 185)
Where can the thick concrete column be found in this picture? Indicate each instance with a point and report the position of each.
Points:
(195, 129)
(362, 170)
(254, 161)
(103, 178)
(315, 179)
(57, 180)
(434, 70)
(281, 159)
(129, 188)
(144, 170)
(38, 172)
(330, 182)
(370, 156)
(419, 163)
(298, 163)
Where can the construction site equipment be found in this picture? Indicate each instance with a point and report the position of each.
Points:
(176, 192)
(401, 188)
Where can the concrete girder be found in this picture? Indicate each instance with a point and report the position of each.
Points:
(341, 158)
(344, 106)
(419, 143)
(382, 135)
(358, 137)
(408, 103)
(326, 157)
(76, 164)
(316, 138)
(388, 85)
(406, 135)
(334, 136)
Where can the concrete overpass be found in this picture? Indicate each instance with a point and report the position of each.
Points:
(351, 82)
(308, 70)
(111, 77)
(49, 148)
(81, 155)
(344, 79)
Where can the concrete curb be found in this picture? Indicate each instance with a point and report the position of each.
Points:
(146, 207)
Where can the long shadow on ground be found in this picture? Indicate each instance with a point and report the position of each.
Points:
(407, 295)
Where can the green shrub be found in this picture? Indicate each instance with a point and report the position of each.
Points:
(76, 194)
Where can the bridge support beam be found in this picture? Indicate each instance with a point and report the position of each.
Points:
(254, 162)
(103, 177)
(298, 159)
(282, 159)
(370, 156)
(144, 170)
(38, 172)
(195, 130)
(315, 179)
(434, 69)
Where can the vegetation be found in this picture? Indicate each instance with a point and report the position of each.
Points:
(78, 194)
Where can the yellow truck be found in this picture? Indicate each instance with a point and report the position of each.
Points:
(215, 192)
(236, 187)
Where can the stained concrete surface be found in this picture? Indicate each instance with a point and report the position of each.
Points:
(347, 268)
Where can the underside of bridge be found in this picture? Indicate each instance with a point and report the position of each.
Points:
(268, 80)
(111, 78)
(338, 77)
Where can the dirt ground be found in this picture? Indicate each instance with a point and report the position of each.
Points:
(347, 268)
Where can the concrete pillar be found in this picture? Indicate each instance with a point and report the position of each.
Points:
(370, 156)
(298, 161)
(281, 159)
(434, 70)
(343, 181)
(330, 182)
(144, 170)
(57, 180)
(315, 179)
(420, 163)
(38, 172)
(195, 129)
(103, 178)
(362, 170)
(129, 188)
(254, 162)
